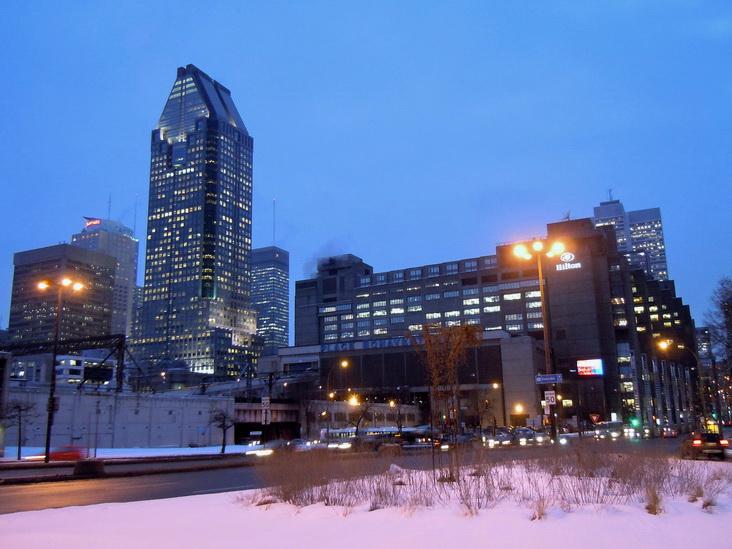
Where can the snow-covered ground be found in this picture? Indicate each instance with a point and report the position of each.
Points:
(223, 520)
(506, 519)
(27, 451)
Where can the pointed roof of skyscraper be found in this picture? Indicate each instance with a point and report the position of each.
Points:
(195, 95)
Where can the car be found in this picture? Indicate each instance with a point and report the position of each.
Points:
(669, 432)
(701, 444)
(609, 430)
(62, 453)
(524, 436)
(502, 437)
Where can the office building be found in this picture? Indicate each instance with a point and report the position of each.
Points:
(87, 313)
(113, 238)
(196, 303)
(589, 300)
(639, 235)
(270, 268)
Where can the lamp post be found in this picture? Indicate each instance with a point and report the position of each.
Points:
(666, 344)
(331, 395)
(539, 249)
(60, 286)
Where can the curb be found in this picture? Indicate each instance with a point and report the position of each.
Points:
(14, 465)
(65, 478)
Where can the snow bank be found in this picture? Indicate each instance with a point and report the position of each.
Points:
(224, 521)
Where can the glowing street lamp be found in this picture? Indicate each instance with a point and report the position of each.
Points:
(353, 401)
(538, 250)
(65, 284)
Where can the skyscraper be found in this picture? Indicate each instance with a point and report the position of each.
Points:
(639, 234)
(271, 296)
(113, 238)
(196, 305)
(87, 314)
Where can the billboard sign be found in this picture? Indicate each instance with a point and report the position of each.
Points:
(590, 367)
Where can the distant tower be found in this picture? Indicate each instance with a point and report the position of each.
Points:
(113, 238)
(271, 296)
(639, 234)
(196, 304)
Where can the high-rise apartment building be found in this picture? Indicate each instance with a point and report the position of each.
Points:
(270, 268)
(639, 234)
(87, 313)
(196, 304)
(113, 238)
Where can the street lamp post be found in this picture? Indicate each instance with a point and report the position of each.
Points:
(539, 249)
(331, 395)
(666, 344)
(61, 285)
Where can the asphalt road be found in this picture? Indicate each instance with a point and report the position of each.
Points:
(86, 492)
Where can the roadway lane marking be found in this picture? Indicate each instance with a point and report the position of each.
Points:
(224, 489)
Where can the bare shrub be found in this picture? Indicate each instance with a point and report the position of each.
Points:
(653, 500)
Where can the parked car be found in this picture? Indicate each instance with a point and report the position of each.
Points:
(706, 445)
(669, 432)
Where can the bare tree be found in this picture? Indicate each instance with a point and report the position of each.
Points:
(719, 319)
(224, 421)
(362, 410)
(444, 350)
(14, 413)
(719, 322)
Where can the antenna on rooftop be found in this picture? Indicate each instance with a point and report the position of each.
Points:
(274, 212)
(109, 206)
(567, 216)
(134, 219)
(610, 194)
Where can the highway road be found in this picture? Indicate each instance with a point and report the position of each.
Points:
(45, 495)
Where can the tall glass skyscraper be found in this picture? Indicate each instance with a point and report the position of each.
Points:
(639, 234)
(196, 303)
(271, 296)
(113, 238)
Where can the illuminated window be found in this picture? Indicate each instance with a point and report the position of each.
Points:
(512, 297)
(432, 316)
(492, 309)
(475, 311)
(452, 314)
(471, 301)
(492, 298)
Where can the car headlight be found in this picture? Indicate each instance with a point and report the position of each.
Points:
(562, 441)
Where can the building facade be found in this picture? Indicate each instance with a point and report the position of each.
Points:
(639, 235)
(196, 302)
(113, 238)
(87, 313)
(270, 268)
(589, 301)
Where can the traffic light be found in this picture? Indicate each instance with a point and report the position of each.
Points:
(634, 422)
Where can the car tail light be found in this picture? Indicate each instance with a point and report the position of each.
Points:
(697, 442)
(724, 442)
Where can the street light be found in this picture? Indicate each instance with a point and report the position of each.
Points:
(61, 286)
(331, 394)
(539, 249)
(666, 345)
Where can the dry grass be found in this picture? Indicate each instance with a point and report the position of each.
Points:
(588, 474)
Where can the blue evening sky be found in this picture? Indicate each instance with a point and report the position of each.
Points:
(404, 132)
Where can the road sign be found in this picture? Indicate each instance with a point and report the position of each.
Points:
(547, 411)
(550, 397)
(595, 418)
(548, 379)
(266, 411)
